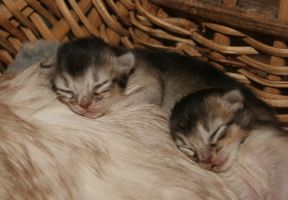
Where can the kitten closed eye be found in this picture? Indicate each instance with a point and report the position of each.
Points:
(218, 134)
(102, 88)
(103, 91)
(188, 151)
(100, 85)
(64, 92)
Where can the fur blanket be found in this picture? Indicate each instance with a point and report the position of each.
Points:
(48, 152)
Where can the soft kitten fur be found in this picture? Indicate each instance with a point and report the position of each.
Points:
(90, 76)
(219, 130)
(48, 152)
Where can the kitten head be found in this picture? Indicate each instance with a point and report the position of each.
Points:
(204, 127)
(90, 74)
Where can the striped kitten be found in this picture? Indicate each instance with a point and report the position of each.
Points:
(83, 77)
(91, 77)
(219, 130)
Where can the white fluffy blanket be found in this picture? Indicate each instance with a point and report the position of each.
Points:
(48, 152)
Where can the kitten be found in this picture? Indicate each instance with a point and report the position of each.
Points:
(219, 130)
(84, 76)
(91, 76)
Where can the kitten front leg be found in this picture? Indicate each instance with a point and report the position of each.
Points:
(138, 95)
(141, 89)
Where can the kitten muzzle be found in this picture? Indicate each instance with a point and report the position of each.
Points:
(85, 102)
(210, 161)
(205, 155)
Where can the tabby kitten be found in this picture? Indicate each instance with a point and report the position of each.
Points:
(86, 72)
(91, 77)
(202, 125)
(219, 130)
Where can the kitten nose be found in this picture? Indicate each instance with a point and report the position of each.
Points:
(207, 159)
(85, 105)
(205, 156)
(85, 102)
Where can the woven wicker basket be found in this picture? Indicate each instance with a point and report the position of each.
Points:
(137, 23)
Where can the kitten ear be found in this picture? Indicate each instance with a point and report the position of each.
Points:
(235, 99)
(126, 61)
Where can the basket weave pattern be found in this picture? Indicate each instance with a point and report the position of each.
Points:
(138, 23)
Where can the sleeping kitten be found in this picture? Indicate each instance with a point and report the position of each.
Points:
(91, 77)
(219, 130)
(84, 77)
